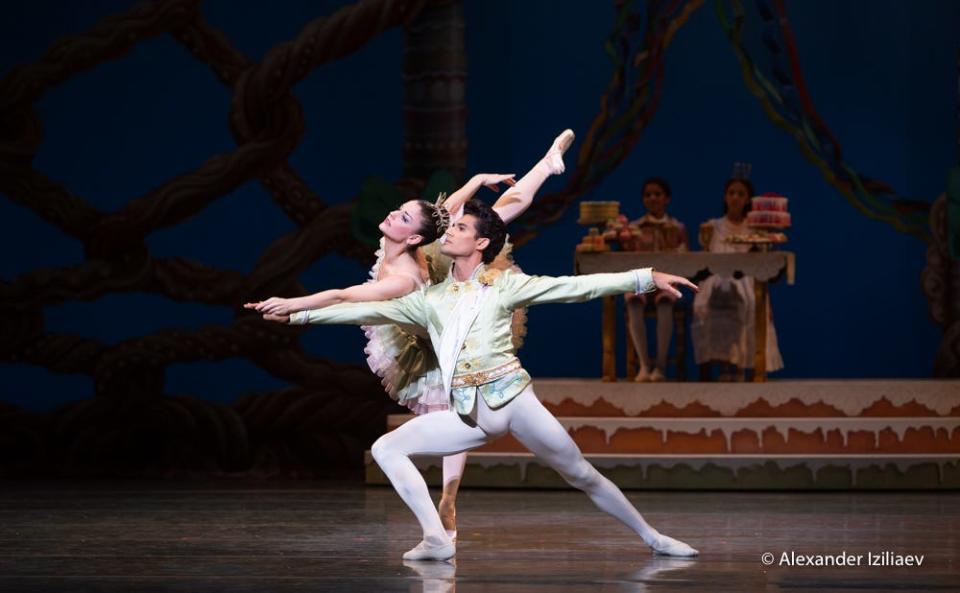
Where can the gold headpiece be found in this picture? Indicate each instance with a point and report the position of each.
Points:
(441, 217)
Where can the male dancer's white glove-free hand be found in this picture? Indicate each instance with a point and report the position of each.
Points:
(668, 282)
(277, 318)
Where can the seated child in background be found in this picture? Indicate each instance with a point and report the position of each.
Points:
(654, 231)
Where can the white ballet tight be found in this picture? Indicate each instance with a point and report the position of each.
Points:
(444, 433)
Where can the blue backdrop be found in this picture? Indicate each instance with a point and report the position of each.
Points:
(883, 75)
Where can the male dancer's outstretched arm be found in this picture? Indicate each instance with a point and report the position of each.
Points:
(522, 290)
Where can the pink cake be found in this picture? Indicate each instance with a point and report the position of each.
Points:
(768, 210)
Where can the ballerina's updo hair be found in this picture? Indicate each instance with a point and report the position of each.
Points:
(434, 223)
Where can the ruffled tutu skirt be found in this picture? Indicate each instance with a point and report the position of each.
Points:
(407, 368)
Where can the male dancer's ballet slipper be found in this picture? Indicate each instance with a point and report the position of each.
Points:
(428, 551)
(667, 546)
(554, 156)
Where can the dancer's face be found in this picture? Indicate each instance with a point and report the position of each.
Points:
(655, 200)
(403, 224)
(461, 238)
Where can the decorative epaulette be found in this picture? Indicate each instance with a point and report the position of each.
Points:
(489, 276)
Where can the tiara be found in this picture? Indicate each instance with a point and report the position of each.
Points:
(441, 217)
(741, 170)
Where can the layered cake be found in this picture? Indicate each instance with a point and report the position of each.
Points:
(598, 212)
(768, 210)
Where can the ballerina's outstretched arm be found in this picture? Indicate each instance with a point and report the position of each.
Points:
(390, 287)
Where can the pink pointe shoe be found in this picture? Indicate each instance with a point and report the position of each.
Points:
(554, 156)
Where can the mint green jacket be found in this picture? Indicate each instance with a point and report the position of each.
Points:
(488, 343)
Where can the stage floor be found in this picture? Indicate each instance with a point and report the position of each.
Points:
(190, 537)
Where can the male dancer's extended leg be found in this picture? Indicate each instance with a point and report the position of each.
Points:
(437, 433)
(539, 431)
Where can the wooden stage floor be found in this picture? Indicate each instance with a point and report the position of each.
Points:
(312, 537)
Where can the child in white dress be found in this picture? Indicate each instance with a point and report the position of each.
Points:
(723, 323)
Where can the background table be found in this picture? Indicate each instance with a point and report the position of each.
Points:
(763, 266)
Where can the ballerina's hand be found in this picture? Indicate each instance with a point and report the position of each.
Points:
(276, 306)
(493, 180)
(667, 282)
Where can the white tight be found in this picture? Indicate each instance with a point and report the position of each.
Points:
(444, 433)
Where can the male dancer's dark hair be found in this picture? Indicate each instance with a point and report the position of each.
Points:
(488, 225)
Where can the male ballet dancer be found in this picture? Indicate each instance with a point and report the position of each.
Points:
(468, 319)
